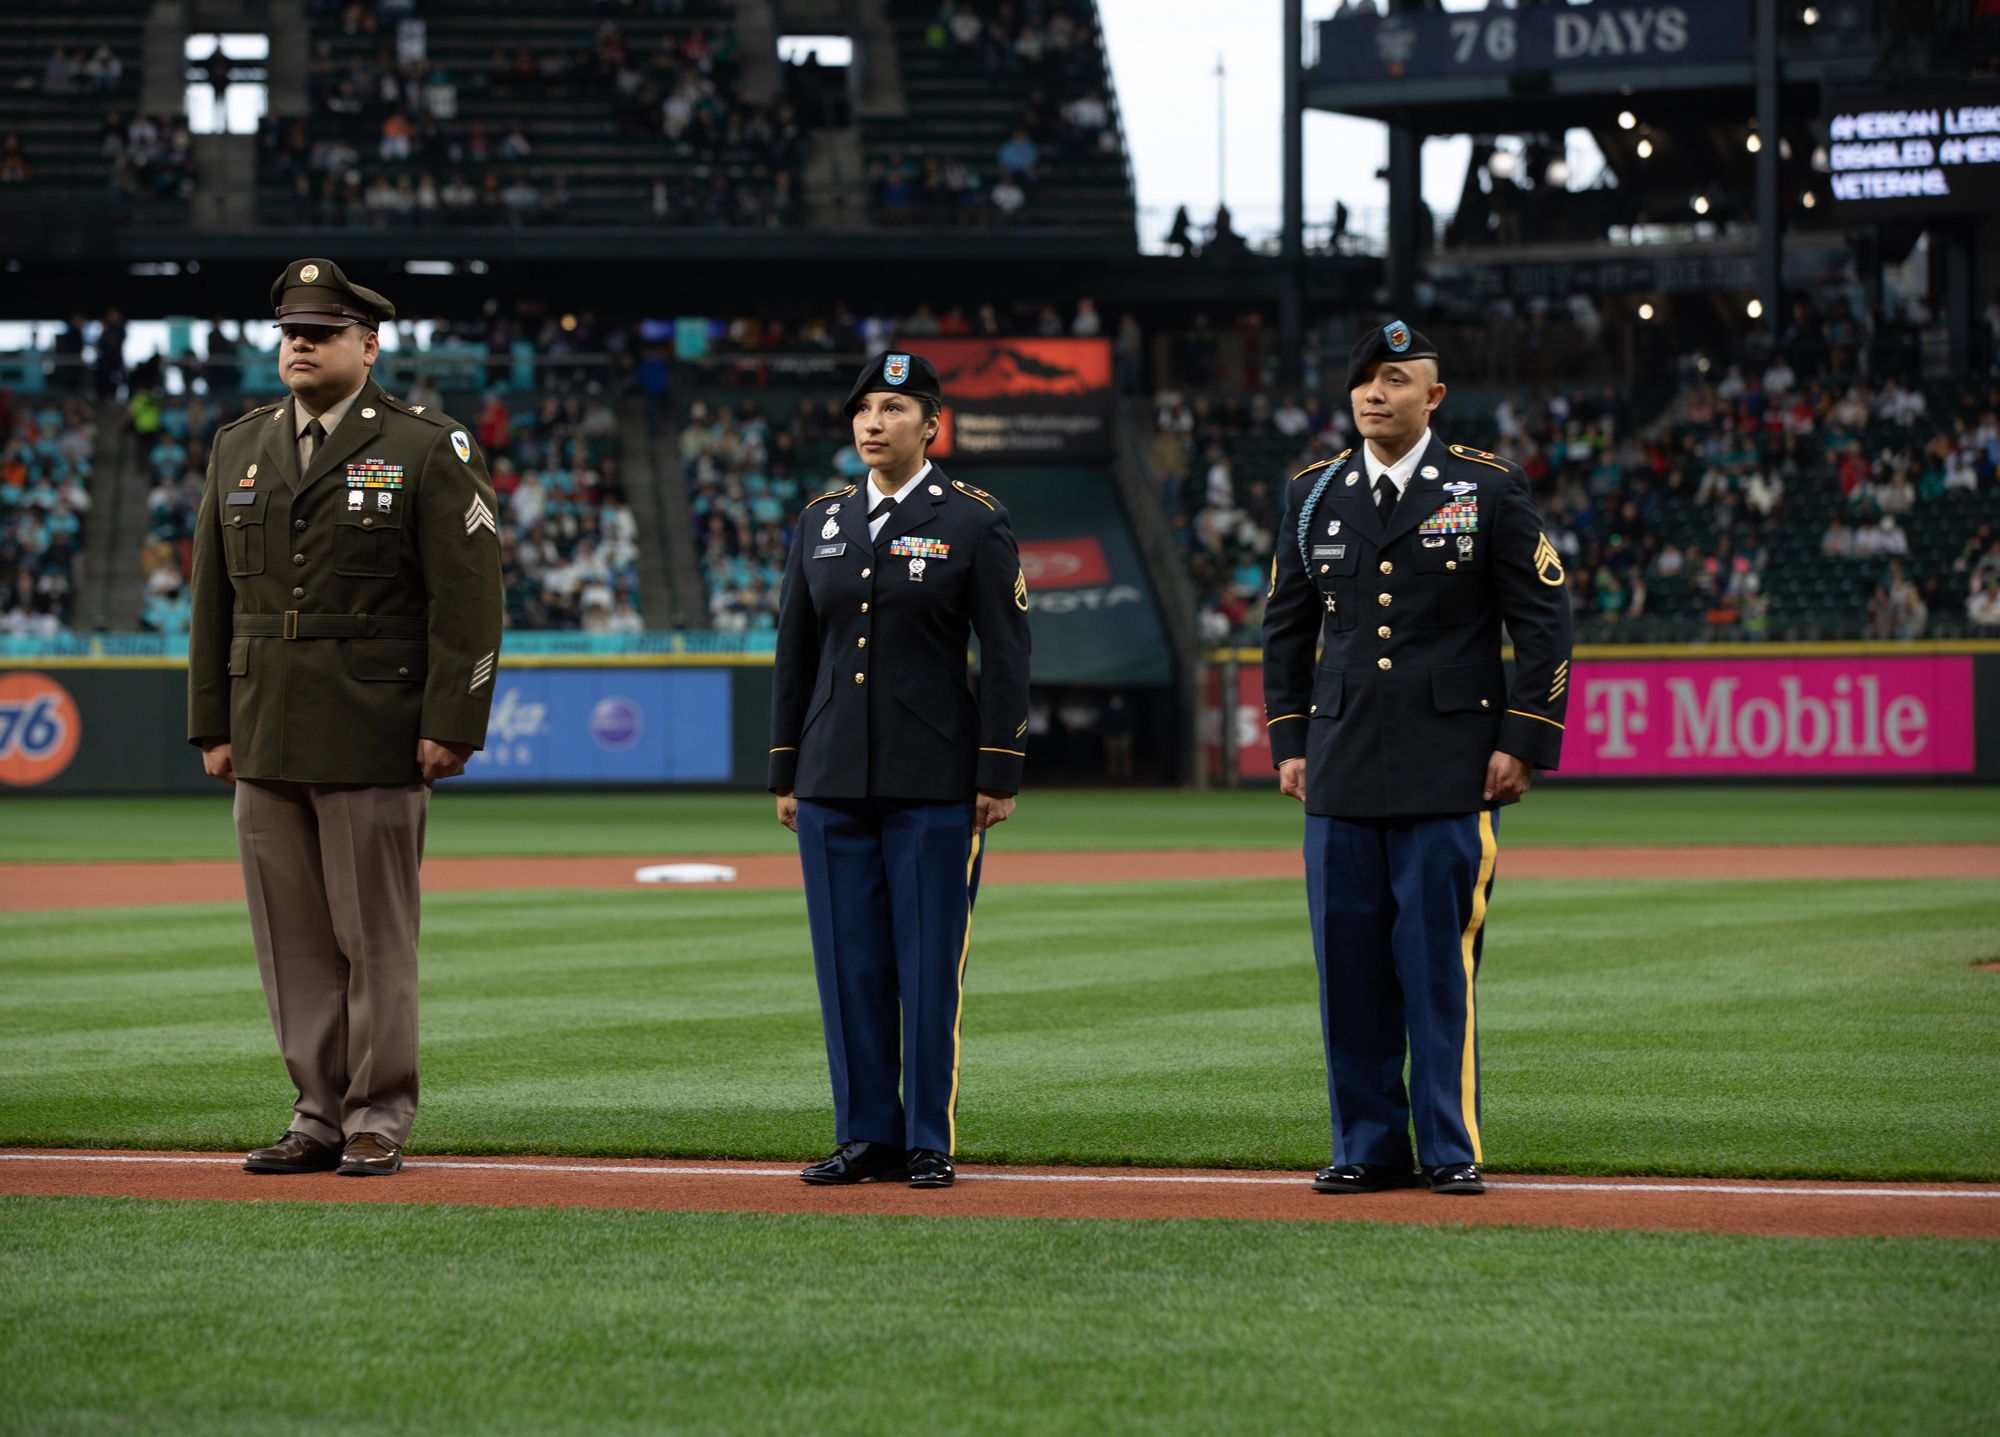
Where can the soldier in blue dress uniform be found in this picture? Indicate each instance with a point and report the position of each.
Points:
(891, 771)
(1404, 736)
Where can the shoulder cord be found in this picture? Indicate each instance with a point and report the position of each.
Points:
(1312, 502)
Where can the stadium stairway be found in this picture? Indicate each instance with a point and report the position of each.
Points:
(669, 577)
(114, 584)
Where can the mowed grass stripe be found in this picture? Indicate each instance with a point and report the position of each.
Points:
(51, 828)
(1812, 1030)
(211, 1318)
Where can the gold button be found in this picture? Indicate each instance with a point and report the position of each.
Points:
(1385, 663)
(1451, 563)
(402, 673)
(1314, 709)
(1383, 632)
(1383, 599)
(1486, 703)
(866, 572)
(861, 678)
(367, 523)
(864, 608)
(1324, 567)
(298, 593)
(1387, 567)
(861, 643)
(237, 521)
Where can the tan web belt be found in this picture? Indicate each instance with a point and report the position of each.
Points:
(294, 625)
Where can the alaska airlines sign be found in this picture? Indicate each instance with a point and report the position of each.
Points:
(1435, 44)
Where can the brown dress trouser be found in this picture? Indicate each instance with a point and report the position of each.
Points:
(330, 871)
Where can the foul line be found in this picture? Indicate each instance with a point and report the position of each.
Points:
(1521, 1185)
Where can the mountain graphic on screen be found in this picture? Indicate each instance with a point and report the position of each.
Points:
(991, 369)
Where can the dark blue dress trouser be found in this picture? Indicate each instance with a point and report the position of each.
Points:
(889, 891)
(1398, 913)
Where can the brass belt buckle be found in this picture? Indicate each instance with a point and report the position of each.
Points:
(291, 623)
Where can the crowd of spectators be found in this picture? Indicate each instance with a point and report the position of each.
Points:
(747, 477)
(388, 142)
(73, 72)
(170, 441)
(147, 158)
(45, 479)
(569, 546)
(1054, 37)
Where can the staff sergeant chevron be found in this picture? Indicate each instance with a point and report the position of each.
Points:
(479, 517)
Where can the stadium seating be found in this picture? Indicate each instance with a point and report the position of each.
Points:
(940, 163)
(82, 149)
(46, 449)
(529, 112)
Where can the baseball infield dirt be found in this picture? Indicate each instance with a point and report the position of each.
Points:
(26, 886)
(1776, 1209)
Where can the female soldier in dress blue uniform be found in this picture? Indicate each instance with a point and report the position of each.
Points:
(890, 771)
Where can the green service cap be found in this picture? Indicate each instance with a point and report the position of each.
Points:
(314, 291)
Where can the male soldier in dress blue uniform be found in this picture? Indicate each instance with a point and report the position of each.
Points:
(890, 770)
(1404, 737)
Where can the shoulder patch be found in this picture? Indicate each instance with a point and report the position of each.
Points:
(834, 494)
(1480, 456)
(1335, 462)
(971, 493)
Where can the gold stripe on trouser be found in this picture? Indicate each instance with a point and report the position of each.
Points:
(958, 1015)
(1468, 1064)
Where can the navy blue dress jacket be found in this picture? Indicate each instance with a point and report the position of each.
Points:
(870, 695)
(1407, 698)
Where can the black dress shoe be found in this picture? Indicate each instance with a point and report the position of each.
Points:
(370, 1155)
(858, 1162)
(931, 1169)
(293, 1153)
(1363, 1178)
(1457, 1178)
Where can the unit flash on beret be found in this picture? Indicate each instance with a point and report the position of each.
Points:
(308, 273)
(367, 414)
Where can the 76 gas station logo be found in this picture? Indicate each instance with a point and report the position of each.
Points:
(39, 729)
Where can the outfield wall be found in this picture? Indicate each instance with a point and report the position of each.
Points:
(119, 725)
(1770, 711)
(1802, 711)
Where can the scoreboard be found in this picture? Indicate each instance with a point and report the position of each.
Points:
(1915, 154)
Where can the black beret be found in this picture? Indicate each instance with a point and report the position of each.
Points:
(314, 291)
(1394, 340)
(896, 373)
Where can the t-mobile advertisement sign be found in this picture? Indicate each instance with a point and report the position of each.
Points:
(1752, 716)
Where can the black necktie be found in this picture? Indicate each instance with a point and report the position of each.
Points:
(882, 506)
(1385, 497)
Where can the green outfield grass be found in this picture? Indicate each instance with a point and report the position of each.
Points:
(1810, 1029)
(47, 828)
(204, 1318)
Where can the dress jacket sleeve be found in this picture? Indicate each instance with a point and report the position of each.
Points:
(1534, 601)
(795, 670)
(211, 624)
(458, 542)
(1000, 618)
(1292, 615)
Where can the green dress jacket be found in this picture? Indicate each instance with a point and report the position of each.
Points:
(342, 614)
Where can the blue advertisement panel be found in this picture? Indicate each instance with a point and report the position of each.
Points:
(609, 725)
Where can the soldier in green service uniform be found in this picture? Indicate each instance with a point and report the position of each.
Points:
(347, 610)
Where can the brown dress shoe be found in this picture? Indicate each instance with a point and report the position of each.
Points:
(293, 1153)
(370, 1155)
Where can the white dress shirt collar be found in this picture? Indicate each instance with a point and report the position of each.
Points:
(1399, 473)
(875, 496)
